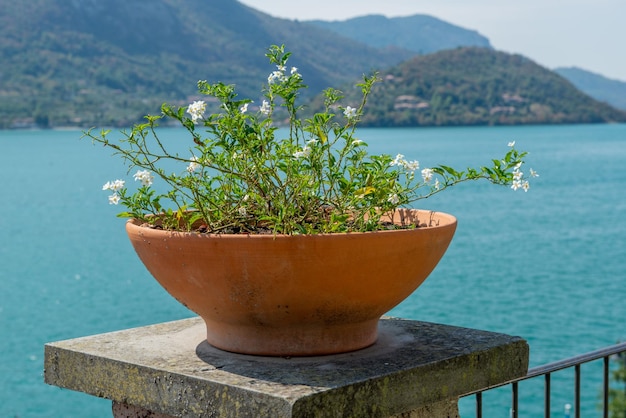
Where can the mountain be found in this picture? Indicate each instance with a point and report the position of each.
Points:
(421, 34)
(597, 86)
(108, 62)
(478, 86)
(424, 34)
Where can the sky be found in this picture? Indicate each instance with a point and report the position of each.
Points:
(589, 34)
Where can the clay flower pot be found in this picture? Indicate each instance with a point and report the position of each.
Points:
(294, 295)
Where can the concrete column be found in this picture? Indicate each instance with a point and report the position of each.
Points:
(414, 370)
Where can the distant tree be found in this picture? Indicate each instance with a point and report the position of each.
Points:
(42, 120)
(617, 393)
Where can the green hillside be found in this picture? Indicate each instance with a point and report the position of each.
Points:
(107, 62)
(479, 86)
(426, 34)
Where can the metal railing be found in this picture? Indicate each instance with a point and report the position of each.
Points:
(547, 370)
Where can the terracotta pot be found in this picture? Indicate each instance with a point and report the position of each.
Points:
(294, 295)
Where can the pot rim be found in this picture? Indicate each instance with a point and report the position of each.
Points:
(443, 219)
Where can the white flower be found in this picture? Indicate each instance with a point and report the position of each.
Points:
(436, 184)
(511, 144)
(411, 165)
(115, 185)
(276, 77)
(533, 173)
(517, 174)
(407, 165)
(196, 110)
(525, 186)
(294, 70)
(357, 142)
(266, 109)
(427, 174)
(114, 199)
(393, 199)
(145, 177)
(349, 112)
(193, 164)
(306, 151)
(399, 160)
(516, 184)
(281, 68)
(244, 108)
(312, 141)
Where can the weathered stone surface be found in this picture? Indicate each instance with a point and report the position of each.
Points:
(122, 410)
(170, 369)
(447, 409)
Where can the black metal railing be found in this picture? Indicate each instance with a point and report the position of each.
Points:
(546, 371)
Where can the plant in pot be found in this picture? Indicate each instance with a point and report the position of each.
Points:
(286, 239)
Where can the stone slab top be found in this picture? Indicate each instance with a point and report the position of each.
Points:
(170, 368)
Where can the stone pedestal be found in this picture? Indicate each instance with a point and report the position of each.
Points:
(415, 370)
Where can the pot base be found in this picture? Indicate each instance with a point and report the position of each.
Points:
(303, 340)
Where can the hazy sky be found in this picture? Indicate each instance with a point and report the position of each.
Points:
(590, 34)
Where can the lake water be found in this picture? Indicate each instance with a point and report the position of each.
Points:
(548, 265)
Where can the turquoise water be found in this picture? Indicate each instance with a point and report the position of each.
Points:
(547, 265)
